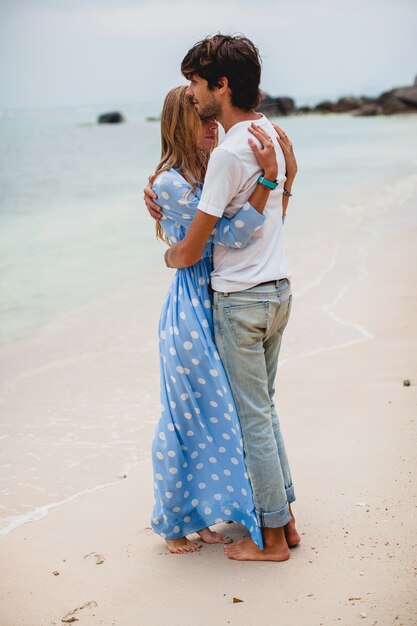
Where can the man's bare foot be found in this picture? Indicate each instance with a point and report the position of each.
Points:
(182, 545)
(209, 536)
(247, 550)
(291, 534)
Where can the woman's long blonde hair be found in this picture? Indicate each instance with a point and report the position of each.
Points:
(180, 136)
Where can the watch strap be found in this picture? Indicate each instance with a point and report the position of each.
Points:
(269, 184)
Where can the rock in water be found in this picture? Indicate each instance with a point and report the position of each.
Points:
(326, 106)
(111, 118)
(343, 105)
(408, 95)
(391, 103)
(368, 110)
(348, 103)
(276, 106)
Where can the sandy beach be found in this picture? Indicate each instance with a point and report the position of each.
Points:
(83, 126)
(350, 427)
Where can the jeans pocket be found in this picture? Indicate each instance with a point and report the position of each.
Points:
(247, 322)
(288, 304)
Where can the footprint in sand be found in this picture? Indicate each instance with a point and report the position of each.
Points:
(70, 616)
(98, 557)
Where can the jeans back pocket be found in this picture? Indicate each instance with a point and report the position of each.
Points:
(247, 322)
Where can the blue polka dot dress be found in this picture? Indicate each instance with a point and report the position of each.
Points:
(200, 476)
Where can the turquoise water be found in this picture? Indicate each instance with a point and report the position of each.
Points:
(72, 221)
(82, 281)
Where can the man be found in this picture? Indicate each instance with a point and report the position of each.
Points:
(252, 295)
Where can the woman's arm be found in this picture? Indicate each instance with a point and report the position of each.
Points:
(267, 159)
(189, 250)
(291, 166)
(237, 231)
(180, 203)
(176, 199)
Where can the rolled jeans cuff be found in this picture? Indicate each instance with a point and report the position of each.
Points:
(290, 494)
(273, 519)
(277, 519)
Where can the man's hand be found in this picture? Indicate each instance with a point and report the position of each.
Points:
(149, 197)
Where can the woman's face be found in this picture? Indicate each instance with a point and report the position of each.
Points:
(208, 136)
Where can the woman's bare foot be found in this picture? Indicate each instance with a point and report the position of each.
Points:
(182, 545)
(209, 536)
(247, 550)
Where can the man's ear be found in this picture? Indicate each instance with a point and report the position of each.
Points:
(222, 85)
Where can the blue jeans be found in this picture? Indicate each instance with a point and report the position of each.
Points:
(248, 328)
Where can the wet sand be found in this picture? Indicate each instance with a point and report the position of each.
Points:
(350, 427)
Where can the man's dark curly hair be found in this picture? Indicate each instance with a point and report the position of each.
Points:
(234, 57)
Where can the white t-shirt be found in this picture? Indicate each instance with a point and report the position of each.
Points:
(231, 178)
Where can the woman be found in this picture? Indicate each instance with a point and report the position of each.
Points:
(200, 477)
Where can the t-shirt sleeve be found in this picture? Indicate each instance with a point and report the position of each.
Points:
(224, 177)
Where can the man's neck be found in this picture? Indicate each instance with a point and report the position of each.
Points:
(231, 115)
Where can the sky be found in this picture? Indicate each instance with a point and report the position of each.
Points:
(56, 53)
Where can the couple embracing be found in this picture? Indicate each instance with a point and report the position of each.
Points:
(218, 451)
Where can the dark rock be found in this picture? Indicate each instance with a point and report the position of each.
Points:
(408, 95)
(324, 107)
(276, 106)
(368, 110)
(348, 103)
(367, 99)
(400, 100)
(391, 104)
(343, 105)
(111, 118)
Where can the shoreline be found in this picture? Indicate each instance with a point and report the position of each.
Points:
(60, 282)
(352, 459)
(89, 350)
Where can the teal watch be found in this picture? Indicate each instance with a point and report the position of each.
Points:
(268, 184)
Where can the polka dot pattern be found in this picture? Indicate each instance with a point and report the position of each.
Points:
(197, 454)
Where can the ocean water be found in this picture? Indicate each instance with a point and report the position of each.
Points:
(72, 220)
(77, 250)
